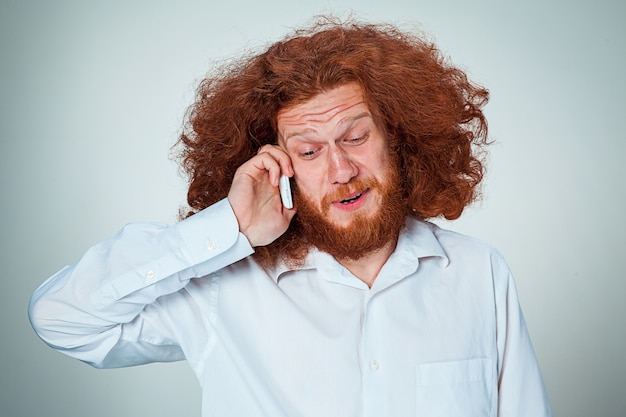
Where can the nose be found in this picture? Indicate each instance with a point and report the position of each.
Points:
(341, 168)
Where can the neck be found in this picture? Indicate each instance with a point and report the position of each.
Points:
(367, 267)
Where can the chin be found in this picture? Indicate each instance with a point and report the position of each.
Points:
(345, 220)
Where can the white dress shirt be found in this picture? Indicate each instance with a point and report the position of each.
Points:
(440, 333)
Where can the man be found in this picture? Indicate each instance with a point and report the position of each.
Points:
(349, 304)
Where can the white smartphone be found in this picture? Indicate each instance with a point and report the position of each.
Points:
(285, 191)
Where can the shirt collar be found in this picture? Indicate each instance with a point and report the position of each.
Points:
(417, 240)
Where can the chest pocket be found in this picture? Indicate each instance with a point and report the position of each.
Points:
(456, 389)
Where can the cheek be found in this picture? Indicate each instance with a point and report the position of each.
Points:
(311, 187)
(309, 177)
(307, 185)
(381, 162)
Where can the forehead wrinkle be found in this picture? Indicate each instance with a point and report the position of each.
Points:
(319, 111)
(323, 118)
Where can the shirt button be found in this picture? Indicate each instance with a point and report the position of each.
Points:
(211, 245)
(374, 366)
(150, 276)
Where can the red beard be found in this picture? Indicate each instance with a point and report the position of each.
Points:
(367, 232)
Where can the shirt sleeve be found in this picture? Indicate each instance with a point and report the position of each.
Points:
(82, 309)
(521, 391)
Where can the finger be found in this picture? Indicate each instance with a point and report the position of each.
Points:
(266, 163)
(280, 156)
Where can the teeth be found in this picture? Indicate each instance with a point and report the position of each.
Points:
(350, 200)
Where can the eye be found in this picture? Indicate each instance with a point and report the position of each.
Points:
(358, 140)
(309, 153)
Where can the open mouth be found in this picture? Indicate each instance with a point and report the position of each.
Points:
(352, 199)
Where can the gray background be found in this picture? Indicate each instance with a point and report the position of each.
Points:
(93, 96)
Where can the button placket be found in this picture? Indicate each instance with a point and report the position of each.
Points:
(375, 369)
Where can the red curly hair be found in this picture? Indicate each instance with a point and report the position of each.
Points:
(429, 110)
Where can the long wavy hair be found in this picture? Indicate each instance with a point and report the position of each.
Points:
(429, 110)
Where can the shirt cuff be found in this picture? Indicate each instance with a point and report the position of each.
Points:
(211, 232)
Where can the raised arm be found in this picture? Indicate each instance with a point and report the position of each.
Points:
(85, 309)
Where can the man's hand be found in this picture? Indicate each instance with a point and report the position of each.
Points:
(255, 198)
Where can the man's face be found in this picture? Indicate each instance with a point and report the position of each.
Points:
(348, 195)
(339, 155)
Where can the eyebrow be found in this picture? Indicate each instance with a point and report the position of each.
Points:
(351, 119)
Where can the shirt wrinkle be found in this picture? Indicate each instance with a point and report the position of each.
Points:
(424, 340)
